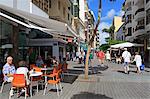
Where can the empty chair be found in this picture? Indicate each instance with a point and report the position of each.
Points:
(55, 81)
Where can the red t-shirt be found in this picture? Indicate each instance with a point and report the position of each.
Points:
(101, 54)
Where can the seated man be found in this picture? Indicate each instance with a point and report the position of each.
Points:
(8, 70)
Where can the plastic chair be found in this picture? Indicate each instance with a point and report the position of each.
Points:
(32, 65)
(2, 87)
(18, 82)
(54, 82)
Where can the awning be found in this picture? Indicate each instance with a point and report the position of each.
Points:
(45, 24)
(126, 44)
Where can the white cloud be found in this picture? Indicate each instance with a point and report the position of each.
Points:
(111, 13)
(103, 25)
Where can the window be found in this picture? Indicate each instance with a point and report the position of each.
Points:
(76, 11)
(129, 17)
(50, 4)
(68, 16)
(147, 16)
(59, 5)
(129, 31)
(64, 10)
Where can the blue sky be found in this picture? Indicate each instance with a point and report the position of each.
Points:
(109, 10)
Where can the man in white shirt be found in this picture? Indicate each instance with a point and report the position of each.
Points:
(126, 57)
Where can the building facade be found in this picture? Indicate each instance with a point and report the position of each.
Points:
(117, 23)
(136, 20)
(120, 33)
(28, 22)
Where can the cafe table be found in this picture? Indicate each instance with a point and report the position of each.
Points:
(34, 74)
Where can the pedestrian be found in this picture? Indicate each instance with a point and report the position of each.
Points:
(107, 56)
(138, 61)
(91, 57)
(8, 70)
(101, 57)
(80, 57)
(118, 56)
(77, 56)
(127, 59)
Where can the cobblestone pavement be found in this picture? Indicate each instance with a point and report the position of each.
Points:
(105, 83)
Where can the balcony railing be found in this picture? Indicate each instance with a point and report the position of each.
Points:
(139, 27)
(147, 20)
(139, 10)
(147, 1)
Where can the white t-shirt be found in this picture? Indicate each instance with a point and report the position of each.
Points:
(138, 60)
(126, 56)
(23, 70)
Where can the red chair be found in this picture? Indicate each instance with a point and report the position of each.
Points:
(18, 82)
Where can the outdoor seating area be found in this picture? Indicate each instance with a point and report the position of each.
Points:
(39, 76)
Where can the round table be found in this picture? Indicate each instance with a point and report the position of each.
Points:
(34, 74)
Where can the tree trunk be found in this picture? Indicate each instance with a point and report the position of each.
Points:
(87, 62)
(15, 44)
(89, 48)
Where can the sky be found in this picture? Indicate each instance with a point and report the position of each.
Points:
(109, 10)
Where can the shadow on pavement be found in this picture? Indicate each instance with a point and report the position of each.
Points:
(87, 95)
(69, 78)
(120, 71)
(74, 71)
(100, 68)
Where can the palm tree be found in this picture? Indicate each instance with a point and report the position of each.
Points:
(110, 30)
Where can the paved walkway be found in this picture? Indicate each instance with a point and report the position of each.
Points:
(107, 83)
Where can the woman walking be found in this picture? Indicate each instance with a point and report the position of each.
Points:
(138, 61)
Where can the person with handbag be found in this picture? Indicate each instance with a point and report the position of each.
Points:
(138, 61)
(127, 59)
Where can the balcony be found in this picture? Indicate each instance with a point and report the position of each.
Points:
(140, 13)
(140, 30)
(139, 10)
(139, 27)
(147, 6)
(129, 38)
(147, 1)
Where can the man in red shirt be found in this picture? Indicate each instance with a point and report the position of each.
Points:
(101, 57)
